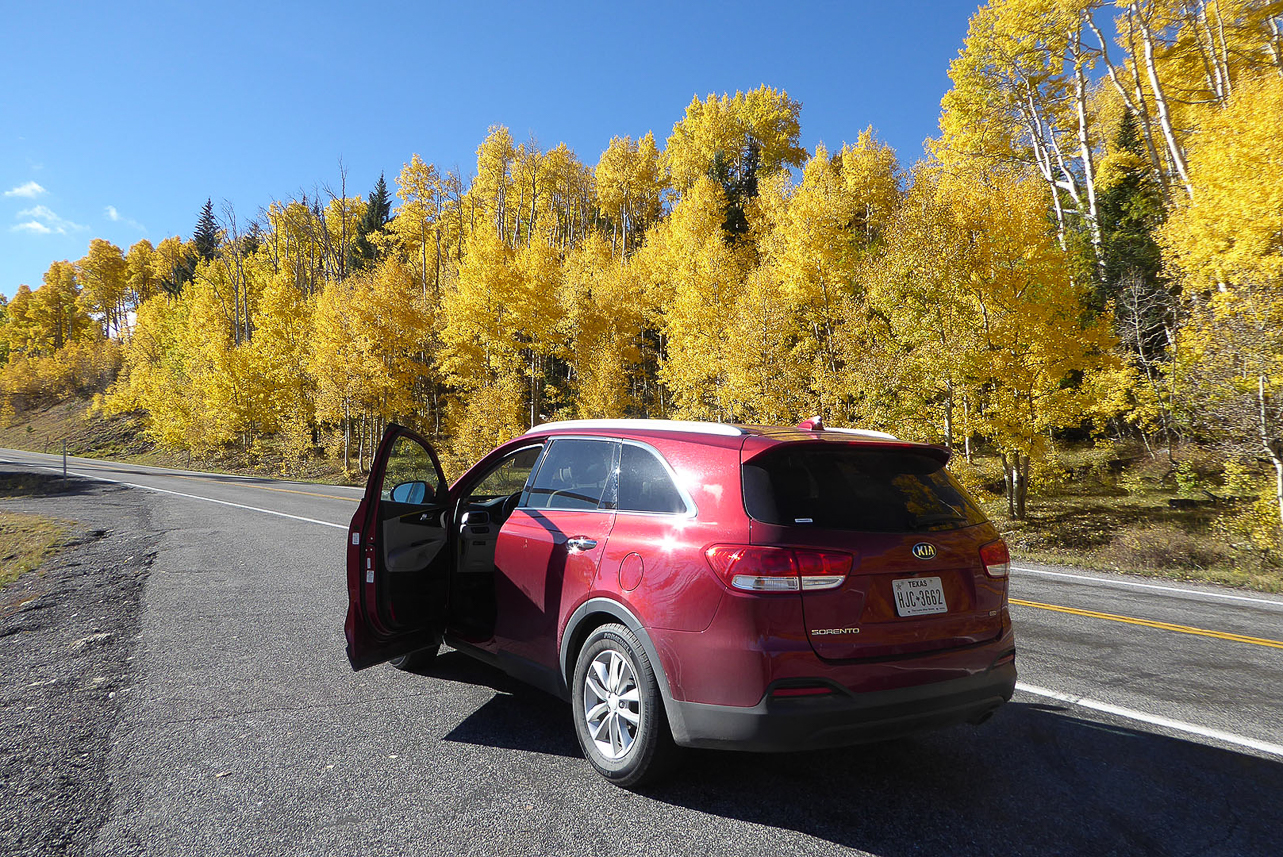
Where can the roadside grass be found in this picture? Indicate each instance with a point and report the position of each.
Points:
(1117, 508)
(26, 541)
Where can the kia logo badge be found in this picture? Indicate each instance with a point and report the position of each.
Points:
(923, 550)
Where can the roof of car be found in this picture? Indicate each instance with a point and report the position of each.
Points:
(635, 426)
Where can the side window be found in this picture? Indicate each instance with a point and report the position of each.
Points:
(505, 478)
(644, 483)
(573, 475)
(410, 475)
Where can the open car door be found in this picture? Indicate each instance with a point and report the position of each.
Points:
(398, 568)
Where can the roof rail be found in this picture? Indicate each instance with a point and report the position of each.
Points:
(691, 426)
(869, 433)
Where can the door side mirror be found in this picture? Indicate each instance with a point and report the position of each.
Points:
(416, 493)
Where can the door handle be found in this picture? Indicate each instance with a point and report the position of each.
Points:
(581, 543)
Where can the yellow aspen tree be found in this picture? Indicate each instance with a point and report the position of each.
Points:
(171, 264)
(104, 277)
(482, 343)
(1224, 243)
(727, 124)
(927, 327)
(629, 186)
(601, 319)
(154, 378)
(55, 313)
(281, 346)
(1020, 96)
(814, 242)
(337, 361)
(493, 185)
(1038, 347)
(141, 271)
(701, 278)
(415, 223)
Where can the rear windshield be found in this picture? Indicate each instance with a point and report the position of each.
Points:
(846, 488)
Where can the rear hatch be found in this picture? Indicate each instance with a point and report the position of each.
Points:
(917, 582)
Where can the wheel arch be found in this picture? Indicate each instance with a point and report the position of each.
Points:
(594, 613)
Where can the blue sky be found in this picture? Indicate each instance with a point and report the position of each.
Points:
(119, 119)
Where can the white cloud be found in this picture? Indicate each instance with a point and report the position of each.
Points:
(30, 190)
(116, 217)
(35, 227)
(44, 221)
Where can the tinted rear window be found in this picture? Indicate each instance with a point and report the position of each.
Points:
(644, 483)
(845, 488)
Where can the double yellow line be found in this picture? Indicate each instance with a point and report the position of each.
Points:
(240, 484)
(1149, 623)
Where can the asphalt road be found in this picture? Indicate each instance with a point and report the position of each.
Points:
(1149, 720)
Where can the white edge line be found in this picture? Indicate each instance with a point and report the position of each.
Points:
(1153, 720)
(1174, 589)
(197, 497)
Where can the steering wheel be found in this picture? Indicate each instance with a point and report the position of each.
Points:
(508, 506)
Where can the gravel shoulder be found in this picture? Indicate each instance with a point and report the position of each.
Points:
(67, 631)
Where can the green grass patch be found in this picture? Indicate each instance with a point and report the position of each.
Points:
(26, 541)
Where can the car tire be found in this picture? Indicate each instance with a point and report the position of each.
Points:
(417, 659)
(619, 713)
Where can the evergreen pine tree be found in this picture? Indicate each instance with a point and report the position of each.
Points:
(205, 238)
(739, 183)
(1131, 209)
(378, 212)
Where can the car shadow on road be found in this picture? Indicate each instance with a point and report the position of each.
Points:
(1035, 780)
(23, 484)
(519, 717)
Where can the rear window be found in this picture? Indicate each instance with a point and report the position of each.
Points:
(644, 483)
(847, 488)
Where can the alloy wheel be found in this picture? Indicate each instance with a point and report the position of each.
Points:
(612, 704)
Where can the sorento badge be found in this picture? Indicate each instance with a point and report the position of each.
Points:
(924, 550)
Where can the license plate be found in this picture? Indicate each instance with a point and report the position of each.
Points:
(919, 596)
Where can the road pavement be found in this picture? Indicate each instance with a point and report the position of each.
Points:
(1149, 720)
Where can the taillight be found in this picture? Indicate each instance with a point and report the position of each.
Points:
(996, 558)
(766, 569)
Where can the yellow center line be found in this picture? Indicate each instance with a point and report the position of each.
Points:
(1148, 623)
(238, 483)
(265, 487)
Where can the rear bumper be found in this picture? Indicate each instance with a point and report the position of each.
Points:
(841, 718)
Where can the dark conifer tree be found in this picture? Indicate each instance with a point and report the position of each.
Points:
(378, 211)
(739, 183)
(1131, 210)
(205, 238)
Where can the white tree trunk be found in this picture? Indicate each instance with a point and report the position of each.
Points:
(1174, 150)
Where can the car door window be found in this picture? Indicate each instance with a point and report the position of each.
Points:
(573, 475)
(410, 476)
(506, 478)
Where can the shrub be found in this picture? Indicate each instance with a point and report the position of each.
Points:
(1163, 546)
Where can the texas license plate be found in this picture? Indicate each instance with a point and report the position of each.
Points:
(919, 596)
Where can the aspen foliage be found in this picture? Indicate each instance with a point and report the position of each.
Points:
(732, 126)
(1226, 243)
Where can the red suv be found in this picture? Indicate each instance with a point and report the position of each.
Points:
(692, 584)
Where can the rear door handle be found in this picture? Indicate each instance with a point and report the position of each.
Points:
(581, 543)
